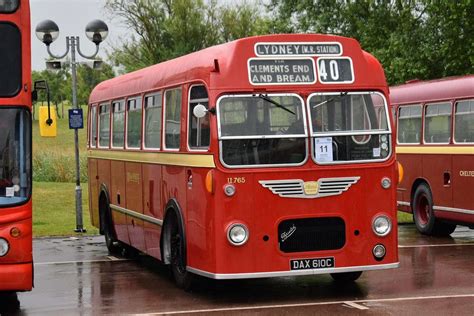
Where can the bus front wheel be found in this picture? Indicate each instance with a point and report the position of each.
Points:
(182, 277)
(423, 214)
(346, 277)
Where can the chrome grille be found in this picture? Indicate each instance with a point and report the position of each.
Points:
(295, 188)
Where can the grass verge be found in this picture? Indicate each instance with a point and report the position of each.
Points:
(54, 157)
(404, 218)
(54, 209)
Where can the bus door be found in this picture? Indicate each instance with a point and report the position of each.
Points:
(437, 167)
(198, 142)
(93, 172)
(463, 163)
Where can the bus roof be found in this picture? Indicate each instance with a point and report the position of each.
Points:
(434, 90)
(225, 67)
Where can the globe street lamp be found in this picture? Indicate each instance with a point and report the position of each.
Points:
(47, 31)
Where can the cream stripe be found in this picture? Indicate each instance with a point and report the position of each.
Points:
(174, 159)
(442, 150)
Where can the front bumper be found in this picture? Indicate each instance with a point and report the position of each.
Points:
(16, 277)
(225, 276)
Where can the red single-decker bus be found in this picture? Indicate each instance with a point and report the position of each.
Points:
(263, 157)
(435, 145)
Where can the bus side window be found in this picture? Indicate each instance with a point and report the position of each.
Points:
(118, 124)
(134, 122)
(464, 122)
(409, 124)
(104, 125)
(152, 121)
(198, 128)
(93, 124)
(173, 118)
(438, 123)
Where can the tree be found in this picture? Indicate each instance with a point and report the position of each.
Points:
(60, 81)
(88, 78)
(166, 29)
(421, 39)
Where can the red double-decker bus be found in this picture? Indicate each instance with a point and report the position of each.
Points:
(263, 157)
(435, 145)
(16, 268)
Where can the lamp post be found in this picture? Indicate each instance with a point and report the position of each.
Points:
(47, 31)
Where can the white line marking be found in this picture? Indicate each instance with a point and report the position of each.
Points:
(355, 305)
(438, 245)
(84, 261)
(243, 308)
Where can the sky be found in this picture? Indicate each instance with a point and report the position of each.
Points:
(71, 16)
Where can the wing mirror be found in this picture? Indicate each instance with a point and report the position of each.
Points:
(200, 110)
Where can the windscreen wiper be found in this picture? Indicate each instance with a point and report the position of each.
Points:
(342, 94)
(266, 98)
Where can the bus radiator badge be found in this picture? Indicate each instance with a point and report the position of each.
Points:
(297, 188)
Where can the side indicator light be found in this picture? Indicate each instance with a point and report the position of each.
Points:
(15, 232)
(210, 181)
(400, 172)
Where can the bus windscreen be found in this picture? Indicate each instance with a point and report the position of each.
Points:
(15, 156)
(262, 130)
(10, 60)
(349, 127)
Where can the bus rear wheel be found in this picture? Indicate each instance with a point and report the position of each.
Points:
(111, 241)
(346, 277)
(423, 214)
(183, 278)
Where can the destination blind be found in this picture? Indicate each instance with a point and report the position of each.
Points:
(298, 49)
(281, 71)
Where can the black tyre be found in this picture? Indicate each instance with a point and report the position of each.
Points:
(423, 214)
(183, 278)
(113, 246)
(346, 277)
(9, 303)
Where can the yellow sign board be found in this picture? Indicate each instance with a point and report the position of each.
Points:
(47, 130)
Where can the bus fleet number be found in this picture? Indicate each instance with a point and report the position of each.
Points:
(239, 180)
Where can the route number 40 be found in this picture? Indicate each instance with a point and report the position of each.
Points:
(335, 70)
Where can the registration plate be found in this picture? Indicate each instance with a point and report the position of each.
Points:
(316, 263)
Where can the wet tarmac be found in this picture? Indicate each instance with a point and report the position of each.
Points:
(76, 276)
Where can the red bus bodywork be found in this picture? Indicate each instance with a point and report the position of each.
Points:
(447, 168)
(149, 182)
(16, 267)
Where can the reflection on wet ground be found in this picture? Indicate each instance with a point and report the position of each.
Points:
(77, 276)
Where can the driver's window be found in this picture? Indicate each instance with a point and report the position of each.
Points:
(198, 128)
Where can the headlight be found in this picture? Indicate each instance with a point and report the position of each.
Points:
(381, 225)
(237, 234)
(4, 247)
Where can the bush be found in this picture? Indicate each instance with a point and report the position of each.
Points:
(54, 166)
